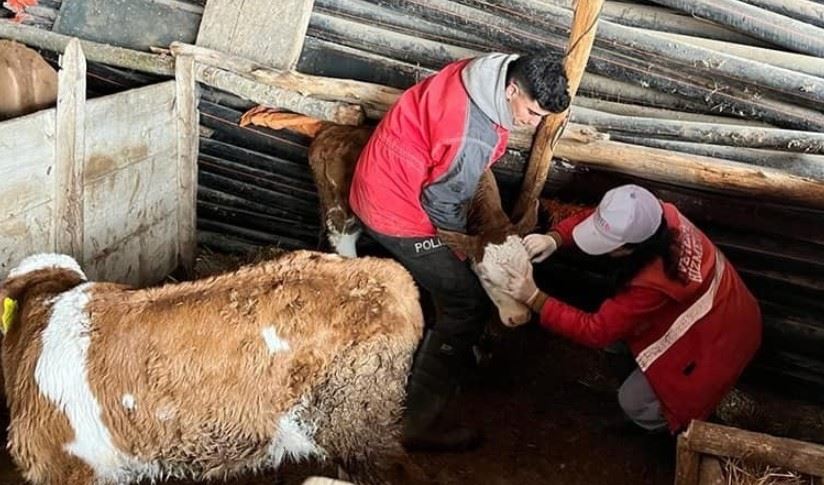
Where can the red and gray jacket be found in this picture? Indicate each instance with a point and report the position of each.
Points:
(420, 168)
(692, 341)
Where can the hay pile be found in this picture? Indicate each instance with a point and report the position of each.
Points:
(737, 472)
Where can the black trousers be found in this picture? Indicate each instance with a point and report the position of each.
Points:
(461, 304)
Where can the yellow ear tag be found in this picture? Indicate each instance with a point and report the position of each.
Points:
(9, 312)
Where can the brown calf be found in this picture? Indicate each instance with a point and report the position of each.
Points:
(303, 356)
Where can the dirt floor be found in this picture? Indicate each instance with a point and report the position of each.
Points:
(548, 412)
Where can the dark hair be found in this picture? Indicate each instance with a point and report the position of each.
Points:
(663, 244)
(543, 79)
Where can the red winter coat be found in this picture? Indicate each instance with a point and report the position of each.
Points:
(691, 341)
(422, 165)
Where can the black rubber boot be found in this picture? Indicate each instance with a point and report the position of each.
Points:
(437, 372)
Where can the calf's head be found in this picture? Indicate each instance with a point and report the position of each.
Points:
(493, 242)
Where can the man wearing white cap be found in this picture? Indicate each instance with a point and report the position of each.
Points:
(682, 309)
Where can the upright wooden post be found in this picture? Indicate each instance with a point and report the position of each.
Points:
(581, 38)
(70, 152)
(688, 462)
(266, 31)
(187, 148)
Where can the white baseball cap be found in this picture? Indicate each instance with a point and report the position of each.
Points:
(626, 214)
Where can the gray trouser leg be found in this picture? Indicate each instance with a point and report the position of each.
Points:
(640, 403)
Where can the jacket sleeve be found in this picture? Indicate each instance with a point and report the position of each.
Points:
(565, 227)
(447, 199)
(617, 317)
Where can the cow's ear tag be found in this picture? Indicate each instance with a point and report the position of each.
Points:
(9, 313)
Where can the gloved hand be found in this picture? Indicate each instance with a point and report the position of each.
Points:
(540, 246)
(521, 285)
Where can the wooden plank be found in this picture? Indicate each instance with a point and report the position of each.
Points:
(687, 463)
(268, 32)
(26, 162)
(144, 258)
(116, 225)
(718, 440)
(25, 234)
(138, 126)
(69, 160)
(187, 125)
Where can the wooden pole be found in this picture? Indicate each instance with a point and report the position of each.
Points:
(375, 98)
(581, 38)
(664, 20)
(70, 154)
(712, 133)
(714, 439)
(803, 10)
(801, 164)
(692, 170)
(687, 463)
(103, 53)
(186, 99)
(788, 60)
(265, 94)
(757, 22)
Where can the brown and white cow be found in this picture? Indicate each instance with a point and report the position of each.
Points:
(492, 239)
(303, 356)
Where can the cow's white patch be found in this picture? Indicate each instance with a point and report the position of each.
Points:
(345, 244)
(294, 439)
(498, 257)
(493, 272)
(129, 402)
(46, 260)
(273, 342)
(166, 413)
(61, 376)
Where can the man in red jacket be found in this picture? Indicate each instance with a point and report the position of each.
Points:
(686, 315)
(417, 174)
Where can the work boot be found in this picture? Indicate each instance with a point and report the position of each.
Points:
(436, 375)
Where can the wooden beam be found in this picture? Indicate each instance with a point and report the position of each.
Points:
(692, 170)
(629, 108)
(102, 53)
(266, 31)
(718, 440)
(69, 160)
(711, 133)
(188, 122)
(757, 22)
(374, 98)
(687, 463)
(266, 94)
(710, 472)
(581, 38)
(800, 164)
(664, 20)
(788, 60)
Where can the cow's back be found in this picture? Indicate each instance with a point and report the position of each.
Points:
(275, 360)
